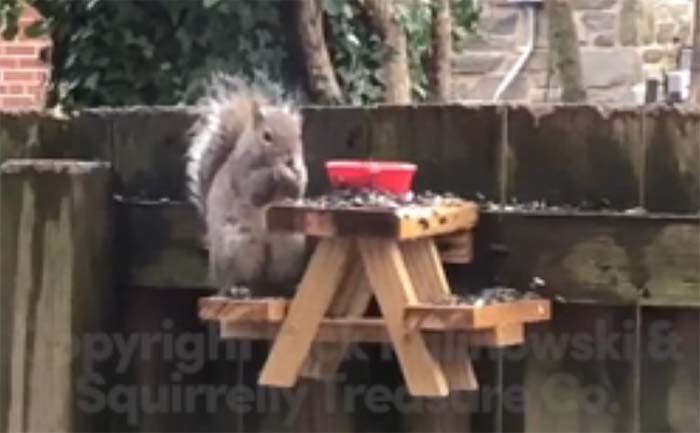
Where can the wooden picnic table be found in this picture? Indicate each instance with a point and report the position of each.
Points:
(395, 256)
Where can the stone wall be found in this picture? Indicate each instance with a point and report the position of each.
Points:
(623, 43)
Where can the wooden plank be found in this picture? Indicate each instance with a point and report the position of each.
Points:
(576, 155)
(56, 287)
(428, 277)
(672, 171)
(394, 290)
(616, 259)
(372, 331)
(313, 297)
(456, 248)
(654, 257)
(242, 310)
(669, 374)
(404, 223)
(579, 370)
(425, 269)
(443, 140)
(454, 360)
(443, 317)
(350, 301)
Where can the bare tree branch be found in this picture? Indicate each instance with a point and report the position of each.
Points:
(563, 43)
(440, 72)
(321, 78)
(397, 81)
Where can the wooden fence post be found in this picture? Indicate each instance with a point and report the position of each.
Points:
(56, 276)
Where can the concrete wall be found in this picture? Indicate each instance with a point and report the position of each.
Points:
(623, 43)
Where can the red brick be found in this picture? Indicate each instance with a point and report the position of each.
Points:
(30, 63)
(13, 89)
(21, 50)
(18, 102)
(8, 62)
(18, 76)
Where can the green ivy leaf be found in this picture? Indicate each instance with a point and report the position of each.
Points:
(10, 31)
(36, 29)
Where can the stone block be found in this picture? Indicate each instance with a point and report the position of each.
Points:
(543, 80)
(485, 88)
(548, 96)
(542, 28)
(603, 69)
(652, 55)
(665, 32)
(481, 40)
(593, 4)
(636, 23)
(501, 21)
(604, 40)
(684, 32)
(538, 61)
(616, 95)
(476, 62)
(598, 21)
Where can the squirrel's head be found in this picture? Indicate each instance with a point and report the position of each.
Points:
(278, 130)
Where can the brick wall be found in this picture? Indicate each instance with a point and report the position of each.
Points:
(23, 75)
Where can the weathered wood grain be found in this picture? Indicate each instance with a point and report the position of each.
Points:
(672, 140)
(439, 317)
(603, 258)
(582, 257)
(579, 371)
(315, 292)
(85, 135)
(670, 356)
(375, 331)
(576, 155)
(149, 147)
(402, 223)
(456, 146)
(56, 286)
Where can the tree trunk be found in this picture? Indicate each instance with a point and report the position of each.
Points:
(321, 78)
(694, 97)
(440, 72)
(563, 44)
(396, 77)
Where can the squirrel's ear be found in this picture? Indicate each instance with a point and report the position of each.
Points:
(257, 112)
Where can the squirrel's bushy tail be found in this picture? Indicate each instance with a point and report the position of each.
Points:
(209, 145)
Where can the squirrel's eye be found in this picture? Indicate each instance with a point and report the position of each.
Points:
(267, 135)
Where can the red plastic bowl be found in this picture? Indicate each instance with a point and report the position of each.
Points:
(390, 176)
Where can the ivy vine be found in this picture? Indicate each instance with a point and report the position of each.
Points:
(158, 52)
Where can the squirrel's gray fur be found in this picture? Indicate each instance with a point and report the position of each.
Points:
(246, 152)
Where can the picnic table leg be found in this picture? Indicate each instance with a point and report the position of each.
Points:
(425, 270)
(319, 284)
(394, 290)
(351, 300)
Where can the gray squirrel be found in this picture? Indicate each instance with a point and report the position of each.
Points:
(246, 152)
